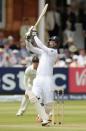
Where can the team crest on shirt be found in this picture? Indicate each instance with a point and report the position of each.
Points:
(51, 50)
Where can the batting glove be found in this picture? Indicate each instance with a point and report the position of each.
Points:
(28, 34)
(31, 33)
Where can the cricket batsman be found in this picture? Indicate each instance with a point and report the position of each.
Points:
(44, 82)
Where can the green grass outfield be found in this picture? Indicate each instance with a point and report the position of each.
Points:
(74, 118)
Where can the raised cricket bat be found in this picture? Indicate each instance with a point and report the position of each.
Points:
(41, 15)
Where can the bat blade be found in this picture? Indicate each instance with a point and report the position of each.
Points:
(41, 15)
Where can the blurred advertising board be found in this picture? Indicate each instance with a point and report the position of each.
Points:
(61, 78)
(11, 80)
(73, 80)
(77, 80)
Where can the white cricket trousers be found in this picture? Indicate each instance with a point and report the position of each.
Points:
(42, 87)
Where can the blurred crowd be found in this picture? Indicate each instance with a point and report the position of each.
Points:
(66, 22)
(12, 53)
(15, 54)
(71, 59)
(69, 25)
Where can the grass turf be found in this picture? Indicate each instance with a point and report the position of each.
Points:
(74, 118)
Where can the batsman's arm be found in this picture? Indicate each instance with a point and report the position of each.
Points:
(41, 45)
(30, 47)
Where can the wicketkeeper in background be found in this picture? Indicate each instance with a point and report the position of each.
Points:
(29, 76)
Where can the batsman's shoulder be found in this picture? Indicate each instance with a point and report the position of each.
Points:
(53, 51)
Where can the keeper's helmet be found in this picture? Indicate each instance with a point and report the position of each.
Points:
(35, 59)
(56, 40)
